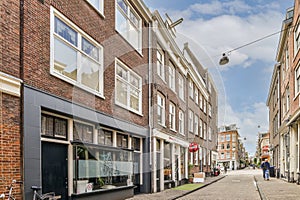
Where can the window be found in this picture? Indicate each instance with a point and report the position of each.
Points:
(222, 146)
(160, 63)
(191, 89)
(105, 137)
(196, 158)
(167, 161)
(222, 156)
(233, 155)
(201, 128)
(209, 133)
(204, 130)
(228, 146)
(196, 95)
(54, 126)
(122, 140)
(181, 87)
(227, 137)
(228, 155)
(98, 4)
(172, 77)
(161, 109)
(209, 110)
(196, 127)
(136, 144)
(75, 56)
(297, 80)
(83, 132)
(222, 138)
(192, 159)
(297, 38)
(100, 167)
(128, 24)
(201, 101)
(128, 92)
(233, 138)
(191, 121)
(181, 122)
(172, 118)
(204, 106)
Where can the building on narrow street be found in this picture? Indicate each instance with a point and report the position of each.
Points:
(283, 99)
(228, 147)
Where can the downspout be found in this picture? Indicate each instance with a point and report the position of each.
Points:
(21, 76)
(279, 114)
(150, 107)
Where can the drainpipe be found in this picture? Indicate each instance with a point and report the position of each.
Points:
(150, 107)
(21, 76)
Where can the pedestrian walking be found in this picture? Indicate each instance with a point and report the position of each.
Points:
(225, 169)
(265, 167)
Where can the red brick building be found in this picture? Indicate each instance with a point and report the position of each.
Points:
(10, 96)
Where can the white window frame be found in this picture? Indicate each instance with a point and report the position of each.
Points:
(160, 63)
(196, 158)
(172, 116)
(209, 133)
(191, 89)
(191, 121)
(181, 122)
(204, 106)
(181, 86)
(201, 101)
(297, 38)
(297, 80)
(201, 128)
(196, 126)
(99, 9)
(209, 110)
(80, 54)
(172, 77)
(204, 130)
(129, 73)
(196, 95)
(227, 137)
(129, 25)
(161, 105)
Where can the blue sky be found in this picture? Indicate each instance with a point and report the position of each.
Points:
(214, 27)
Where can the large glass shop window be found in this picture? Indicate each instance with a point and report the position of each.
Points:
(167, 161)
(105, 168)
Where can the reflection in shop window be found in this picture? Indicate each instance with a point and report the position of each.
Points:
(104, 137)
(83, 132)
(98, 169)
(167, 161)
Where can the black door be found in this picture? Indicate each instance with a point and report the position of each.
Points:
(55, 169)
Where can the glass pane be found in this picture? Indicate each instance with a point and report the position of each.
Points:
(134, 99)
(133, 36)
(65, 59)
(47, 126)
(61, 127)
(123, 6)
(96, 3)
(121, 92)
(90, 73)
(134, 80)
(121, 23)
(90, 49)
(121, 72)
(65, 31)
(134, 19)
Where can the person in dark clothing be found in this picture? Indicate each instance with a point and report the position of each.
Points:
(265, 167)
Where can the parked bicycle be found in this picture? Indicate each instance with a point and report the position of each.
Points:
(10, 188)
(46, 196)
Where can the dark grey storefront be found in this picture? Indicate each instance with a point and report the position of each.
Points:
(51, 161)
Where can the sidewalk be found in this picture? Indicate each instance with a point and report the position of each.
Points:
(277, 189)
(173, 193)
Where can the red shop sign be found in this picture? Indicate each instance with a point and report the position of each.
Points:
(193, 147)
